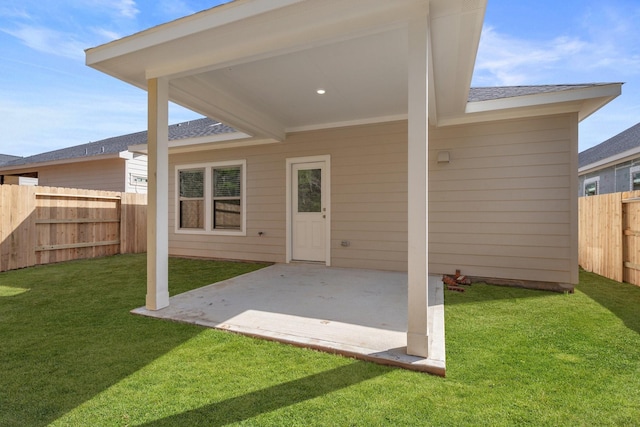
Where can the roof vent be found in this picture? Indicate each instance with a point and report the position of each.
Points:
(103, 148)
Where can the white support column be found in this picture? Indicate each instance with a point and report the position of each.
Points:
(158, 195)
(417, 332)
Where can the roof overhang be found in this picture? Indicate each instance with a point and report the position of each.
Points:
(583, 100)
(256, 64)
(219, 141)
(125, 155)
(610, 161)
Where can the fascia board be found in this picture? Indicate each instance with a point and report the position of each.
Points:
(508, 114)
(606, 92)
(205, 146)
(61, 162)
(226, 140)
(211, 18)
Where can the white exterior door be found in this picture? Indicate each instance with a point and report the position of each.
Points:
(308, 211)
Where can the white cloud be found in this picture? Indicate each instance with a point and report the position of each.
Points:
(126, 8)
(174, 9)
(604, 47)
(107, 35)
(505, 60)
(13, 12)
(49, 41)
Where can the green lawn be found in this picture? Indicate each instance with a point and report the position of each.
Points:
(72, 355)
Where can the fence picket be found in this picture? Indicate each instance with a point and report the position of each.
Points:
(40, 225)
(609, 235)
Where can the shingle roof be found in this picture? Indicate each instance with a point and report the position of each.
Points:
(477, 94)
(206, 126)
(4, 158)
(117, 144)
(624, 141)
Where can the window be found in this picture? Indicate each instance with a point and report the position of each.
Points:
(226, 198)
(137, 179)
(591, 186)
(192, 198)
(211, 198)
(635, 178)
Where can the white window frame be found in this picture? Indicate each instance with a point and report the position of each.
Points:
(138, 180)
(588, 181)
(208, 198)
(632, 170)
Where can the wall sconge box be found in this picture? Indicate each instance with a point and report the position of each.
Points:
(443, 157)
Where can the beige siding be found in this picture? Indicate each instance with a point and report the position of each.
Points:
(106, 175)
(504, 206)
(369, 196)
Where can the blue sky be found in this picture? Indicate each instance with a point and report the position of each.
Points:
(49, 99)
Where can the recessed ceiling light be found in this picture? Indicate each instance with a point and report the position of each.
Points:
(321, 91)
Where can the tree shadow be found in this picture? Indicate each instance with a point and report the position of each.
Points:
(622, 299)
(259, 402)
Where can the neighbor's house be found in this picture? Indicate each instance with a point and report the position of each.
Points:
(365, 146)
(107, 165)
(612, 166)
(5, 158)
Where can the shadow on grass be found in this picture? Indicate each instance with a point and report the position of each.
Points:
(71, 336)
(482, 292)
(272, 398)
(622, 299)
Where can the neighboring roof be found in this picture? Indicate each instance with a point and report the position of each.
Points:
(191, 129)
(490, 93)
(623, 142)
(5, 158)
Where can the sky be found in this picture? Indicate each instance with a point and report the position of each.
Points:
(49, 98)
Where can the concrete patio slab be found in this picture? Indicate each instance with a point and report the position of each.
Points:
(353, 312)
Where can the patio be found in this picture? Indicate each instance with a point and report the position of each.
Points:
(353, 312)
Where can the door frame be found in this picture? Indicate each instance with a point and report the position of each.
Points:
(327, 196)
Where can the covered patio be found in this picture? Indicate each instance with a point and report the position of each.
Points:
(354, 312)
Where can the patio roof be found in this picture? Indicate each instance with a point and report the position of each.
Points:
(243, 64)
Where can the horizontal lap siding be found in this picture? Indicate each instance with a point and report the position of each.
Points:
(368, 197)
(505, 205)
(105, 175)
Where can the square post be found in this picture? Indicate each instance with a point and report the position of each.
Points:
(158, 195)
(418, 127)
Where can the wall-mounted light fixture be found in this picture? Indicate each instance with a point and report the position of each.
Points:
(443, 157)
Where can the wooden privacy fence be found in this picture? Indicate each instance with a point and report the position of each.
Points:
(609, 235)
(41, 225)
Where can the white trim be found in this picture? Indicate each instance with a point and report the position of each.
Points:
(632, 170)
(208, 230)
(588, 181)
(199, 144)
(556, 97)
(222, 137)
(346, 123)
(35, 165)
(289, 164)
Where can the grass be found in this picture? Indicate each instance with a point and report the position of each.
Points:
(72, 355)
